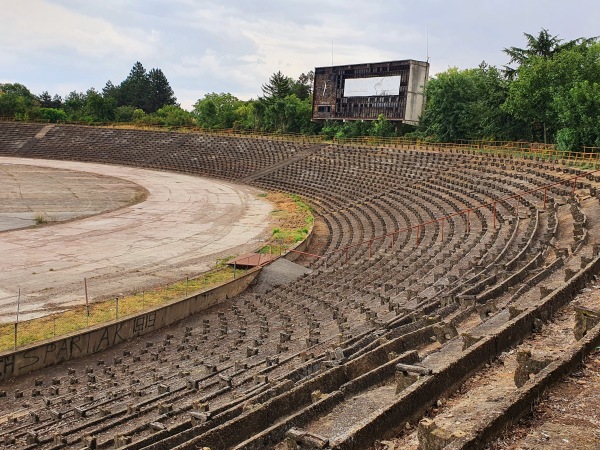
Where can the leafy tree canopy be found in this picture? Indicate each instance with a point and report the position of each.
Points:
(16, 100)
(465, 104)
(543, 82)
(544, 45)
(217, 110)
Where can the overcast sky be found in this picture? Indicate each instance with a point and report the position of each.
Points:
(235, 45)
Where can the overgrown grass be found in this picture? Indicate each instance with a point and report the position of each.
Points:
(294, 219)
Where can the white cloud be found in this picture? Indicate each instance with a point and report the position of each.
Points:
(207, 46)
(38, 26)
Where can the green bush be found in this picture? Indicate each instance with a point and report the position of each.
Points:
(52, 115)
(124, 113)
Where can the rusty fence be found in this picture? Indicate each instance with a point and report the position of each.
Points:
(420, 228)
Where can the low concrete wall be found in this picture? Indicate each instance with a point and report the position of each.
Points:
(98, 338)
(378, 375)
(245, 426)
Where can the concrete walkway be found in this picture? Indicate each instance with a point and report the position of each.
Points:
(181, 229)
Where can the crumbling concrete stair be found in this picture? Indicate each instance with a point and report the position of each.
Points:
(414, 399)
(22, 151)
(511, 409)
(267, 170)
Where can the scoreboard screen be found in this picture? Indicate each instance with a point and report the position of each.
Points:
(371, 87)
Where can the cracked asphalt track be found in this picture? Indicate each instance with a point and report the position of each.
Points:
(184, 225)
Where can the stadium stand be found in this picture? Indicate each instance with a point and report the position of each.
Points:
(427, 255)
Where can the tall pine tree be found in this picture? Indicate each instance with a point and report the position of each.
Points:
(135, 89)
(110, 91)
(148, 91)
(160, 93)
(278, 87)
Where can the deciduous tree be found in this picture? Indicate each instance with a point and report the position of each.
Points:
(217, 110)
(16, 101)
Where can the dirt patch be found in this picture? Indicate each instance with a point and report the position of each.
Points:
(568, 417)
(292, 219)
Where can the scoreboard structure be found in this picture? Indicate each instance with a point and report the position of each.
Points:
(364, 91)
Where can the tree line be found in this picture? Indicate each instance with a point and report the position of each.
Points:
(147, 98)
(548, 92)
(141, 93)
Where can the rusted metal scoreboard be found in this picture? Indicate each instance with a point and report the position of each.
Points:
(364, 91)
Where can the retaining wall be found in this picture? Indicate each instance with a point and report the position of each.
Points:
(95, 339)
(292, 254)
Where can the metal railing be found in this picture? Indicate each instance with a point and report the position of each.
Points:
(492, 206)
(519, 149)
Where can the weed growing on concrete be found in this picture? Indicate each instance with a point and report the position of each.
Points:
(40, 219)
(294, 220)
